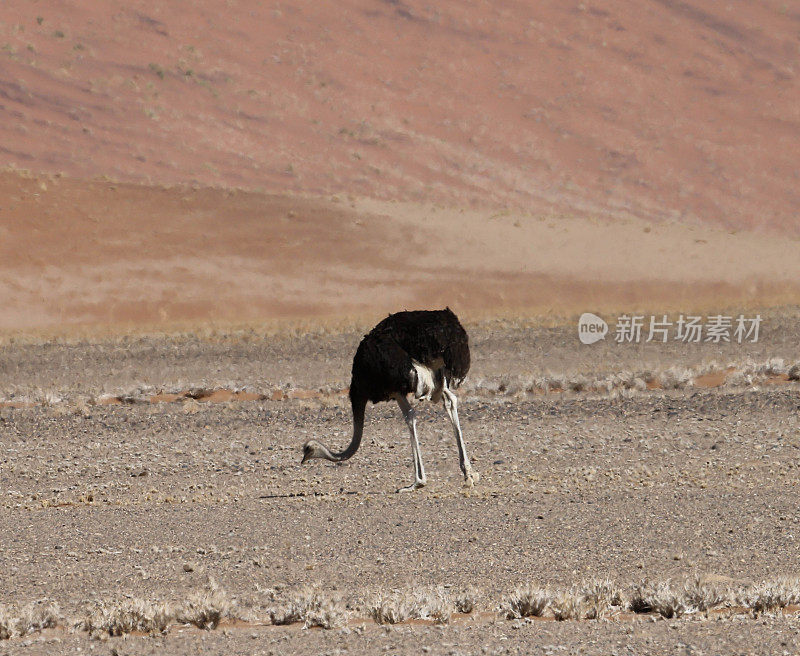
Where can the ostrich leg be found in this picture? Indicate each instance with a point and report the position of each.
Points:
(451, 405)
(411, 421)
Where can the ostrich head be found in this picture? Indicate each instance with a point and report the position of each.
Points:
(313, 449)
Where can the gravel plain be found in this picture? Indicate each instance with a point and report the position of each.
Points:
(141, 499)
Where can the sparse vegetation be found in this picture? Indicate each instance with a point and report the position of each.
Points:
(204, 610)
(390, 609)
(16, 622)
(770, 596)
(624, 384)
(208, 608)
(667, 598)
(591, 600)
(116, 618)
(465, 602)
(567, 606)
(631, 383)
(158, 70)
(704, 595)
(660, 597)
(434, 604)
(527, 601)
(311, 607)
(599, 597)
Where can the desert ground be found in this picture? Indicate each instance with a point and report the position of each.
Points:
(205, 205)
(149, 468)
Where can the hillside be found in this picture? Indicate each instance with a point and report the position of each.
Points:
(665, 110)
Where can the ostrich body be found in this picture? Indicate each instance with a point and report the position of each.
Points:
(422, 353)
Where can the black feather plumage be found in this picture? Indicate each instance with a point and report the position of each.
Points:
(383, 364)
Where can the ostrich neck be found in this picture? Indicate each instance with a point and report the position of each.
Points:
(358, 431)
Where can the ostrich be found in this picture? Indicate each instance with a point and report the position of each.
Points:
(424, 353)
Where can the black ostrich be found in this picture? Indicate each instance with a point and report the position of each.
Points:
(424, 353)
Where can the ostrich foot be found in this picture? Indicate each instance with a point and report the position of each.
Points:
(470, 478)
(414, 486)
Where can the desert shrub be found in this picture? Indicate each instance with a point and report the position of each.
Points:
(310, 607)
(527, 601)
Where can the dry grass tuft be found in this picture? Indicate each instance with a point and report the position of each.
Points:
(204, 610)
(676, 378)
(567, 606)
(660, 597)
(702, 595)
(16, 622)
(312, 608)
(115, 618)
(527, 601)
(435, 605)
(465, 601)
(591, 600)
(390, 609)
(627, 384)
(291, 613)
(599, 598)
(673, 599)
(770, 596)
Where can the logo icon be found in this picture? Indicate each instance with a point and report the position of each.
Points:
(591, 328)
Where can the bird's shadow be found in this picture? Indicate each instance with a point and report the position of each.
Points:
(294, 495)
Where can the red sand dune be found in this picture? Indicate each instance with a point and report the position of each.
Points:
(554, 156)
(662, 109)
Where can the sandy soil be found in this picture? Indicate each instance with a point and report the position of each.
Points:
(673, 110)
(77, 254)
(103, 501)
